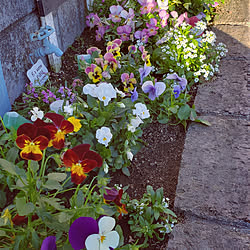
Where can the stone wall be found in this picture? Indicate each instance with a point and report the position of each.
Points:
(20, 18)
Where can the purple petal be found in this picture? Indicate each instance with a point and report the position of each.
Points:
(183, 83)
(152, 94)
(134, 95)
(177, 91)
(80, 229)
(172, 76)
(111, 194)
(160, 88)
(147, 87)
(49, 243)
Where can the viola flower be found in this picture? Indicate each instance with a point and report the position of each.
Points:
(106, 238)
(79, 231)
(124, 32)
(94, 73)
(85, 232)
(32, 140)
(120, 92)
(153, 90)
(145, 71)
(105, 92)
(164, 17)
(49, 243)
(110, 62)
(128, 81)
(141, 111)
(142, 35)
(114, 48)
(81, 161)
(76, 123)
(147, 6)
(91, 50)
(176, 91)
(134, 123)
(104, 135)
(152, 28)
(100, 32)
(115, 11)
(181, 81)
(178, 19)
(132, 49)
(115, 196)
(92, 20)
(58, 129)
(162, 4)
(134, 95)
(36, 113)
(128, 16)
(68, 109)
(146, 58)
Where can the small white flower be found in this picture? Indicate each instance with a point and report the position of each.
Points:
(141, 111)
(36, 113)
(103, 135)
(134, 123)
(105, 167)
(121, 105)
(130, 155)
(119, 92)
(105, 92)
(68, 109)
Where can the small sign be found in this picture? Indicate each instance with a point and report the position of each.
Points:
(38, 74)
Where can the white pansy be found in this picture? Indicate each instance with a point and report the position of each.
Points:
(36, 113)
(134, 123)
(106, 238)
(104, 135)
(141, 111)
(68, 109)
(105, 92)
(56, 106)
(90, 89)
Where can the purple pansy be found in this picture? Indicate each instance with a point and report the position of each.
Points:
(134, 95)
(79, 231)
(176, 91)
(181, 81)
(145, 71)
(153, 90)
(124, 32)
(49, 243)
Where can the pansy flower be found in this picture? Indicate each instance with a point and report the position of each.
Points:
(104, 135)
(49, 243)
(128, 81)
(115, 11)
(115, 196)
(152, 28)
(105, 92)
(58, 129)
(145, 71)
(181, 81)
(76, 123)
(94, 73)
(32, 140)
(124, 32)
(110, 62)
(85, 232)
(92, 20)
(81, 161)
(153, 90)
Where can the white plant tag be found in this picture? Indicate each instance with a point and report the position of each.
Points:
(38, 74)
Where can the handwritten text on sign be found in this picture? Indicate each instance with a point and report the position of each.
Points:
(38, 74)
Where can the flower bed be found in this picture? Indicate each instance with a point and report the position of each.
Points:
(78, 136)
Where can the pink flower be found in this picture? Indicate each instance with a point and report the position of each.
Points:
(142, 35)
(93, 49)
(115, 11)
(152, 28)
(128, 16)
(92, 20)
(164, 17)
(147, 6)
(124, 32)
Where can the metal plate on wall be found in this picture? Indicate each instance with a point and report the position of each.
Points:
(47, 6)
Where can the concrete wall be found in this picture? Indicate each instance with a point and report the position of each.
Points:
(20, 18)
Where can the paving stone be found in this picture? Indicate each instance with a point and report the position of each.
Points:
(214, 174)
(236, 38)
(197, 234)
(233, 11)
(229, 93)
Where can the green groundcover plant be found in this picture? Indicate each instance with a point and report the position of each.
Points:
(58, 162)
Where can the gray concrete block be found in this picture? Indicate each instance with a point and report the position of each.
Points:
(69, 22)
(197, 234)
(229, 93)
(15, 48)
(233, 12)
(214, 175)
(236, 38)
(12, 11)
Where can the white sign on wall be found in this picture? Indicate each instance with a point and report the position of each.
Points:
(38, 74)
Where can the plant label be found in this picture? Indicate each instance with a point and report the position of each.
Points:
(38, 74)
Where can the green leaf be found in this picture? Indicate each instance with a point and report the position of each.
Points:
(24, 208)
(119, 162)
(54, 202)
(35, 239)
(184, 112)
(34, 166)
(156, 214)
(2, 233)
(79, 199)
(57, 176)
(64, 217)
(148, 213)
(125, 171)
(52, 184)
(92, 102)
(118, 229)
(100, 121)
(204, 122)
(168, 211)
(174, 109)
(12, 154)
(2, 199)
